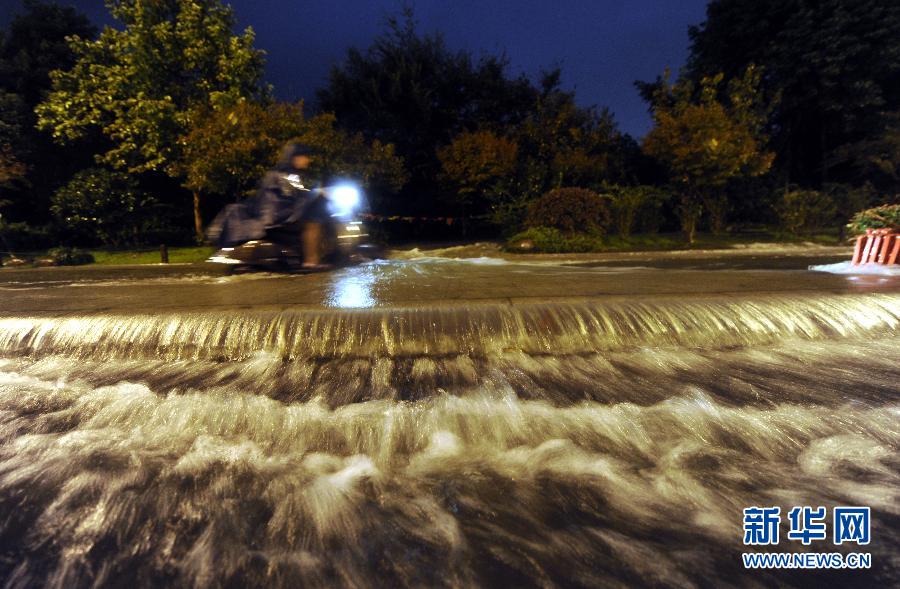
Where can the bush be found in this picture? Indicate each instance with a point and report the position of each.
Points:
(805, 210)
(21, 237)
(883, 217)
(570, 210)
(654, 213)
(552, 241)
(104, 204)
(70, 256)
(627, 202)
(850, 199)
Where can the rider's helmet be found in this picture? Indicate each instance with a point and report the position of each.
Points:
(291, 155)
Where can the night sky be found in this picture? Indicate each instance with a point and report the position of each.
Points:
(601, 45)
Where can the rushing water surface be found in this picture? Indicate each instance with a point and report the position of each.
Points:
(568, 444)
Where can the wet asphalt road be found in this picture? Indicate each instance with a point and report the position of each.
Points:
(424, 281)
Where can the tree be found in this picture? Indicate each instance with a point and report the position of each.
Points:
(12, 168)
(32, 45)
(834, 65)
(705, 142)
(479, 166)
(227, 150)
(563, 144)
(340, 154)
(570, 210)
(802, 211)
(104, 203)
(411, 91)
(625, 202)
(875, 159)
(144, 85)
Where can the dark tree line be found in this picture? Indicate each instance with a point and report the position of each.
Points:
(786, 111)
(33, 45)
(831, 70)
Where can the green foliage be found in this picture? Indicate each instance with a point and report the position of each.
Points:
(553, 241)
(229, 149)
(850, 199)
(70, 256)
(556, 144)
(177, 255)
(626, 202)
(563, 144)
(805, 211)
(831, 65)
(34, 44)
(22, 237)
(13, 119)
(341, 154)
(548, 240)
(12, 127)
(11, 169)
(410, 90)
(570, 210)
(705, 141)
(875, 158)
(479, 166)
(144, 85)
(881, 217)
(226, 151)
(106, 204)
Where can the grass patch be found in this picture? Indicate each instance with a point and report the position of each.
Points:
(177, 255)
(546, 240)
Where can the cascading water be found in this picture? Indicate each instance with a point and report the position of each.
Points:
(572, 444)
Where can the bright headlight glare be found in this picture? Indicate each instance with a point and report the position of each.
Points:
(346, 198)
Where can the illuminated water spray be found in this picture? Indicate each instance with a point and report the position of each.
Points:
(577, 444)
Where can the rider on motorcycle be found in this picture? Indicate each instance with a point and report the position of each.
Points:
(284, 205)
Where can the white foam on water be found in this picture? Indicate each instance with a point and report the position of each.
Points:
(571, 446)
(860, 269)
(205, 483)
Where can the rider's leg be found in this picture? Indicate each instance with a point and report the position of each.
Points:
(312, 244)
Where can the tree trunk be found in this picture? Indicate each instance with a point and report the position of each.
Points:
(198, 219)
(717, 207)
(690, 213)
(689, 226)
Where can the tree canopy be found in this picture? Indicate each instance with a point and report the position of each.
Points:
(143, 85)
(832, 67)
(173, 95)
(33, 45)
(229, 149)
(479, 165)
(704, 142)
(412, 91)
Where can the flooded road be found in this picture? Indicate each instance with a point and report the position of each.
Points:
(433, 422)
(428, 281)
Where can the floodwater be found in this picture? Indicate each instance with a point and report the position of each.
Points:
(441, 423)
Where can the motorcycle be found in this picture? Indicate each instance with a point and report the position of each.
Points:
(281, 248)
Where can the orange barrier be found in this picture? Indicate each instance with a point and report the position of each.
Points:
(877, 246)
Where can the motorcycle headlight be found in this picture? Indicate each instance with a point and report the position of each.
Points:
(346, 199)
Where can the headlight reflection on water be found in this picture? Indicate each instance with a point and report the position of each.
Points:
(352, 289)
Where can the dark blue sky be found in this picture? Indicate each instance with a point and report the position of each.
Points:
(601, 45)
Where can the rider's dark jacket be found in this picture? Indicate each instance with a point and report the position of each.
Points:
(282, 198)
